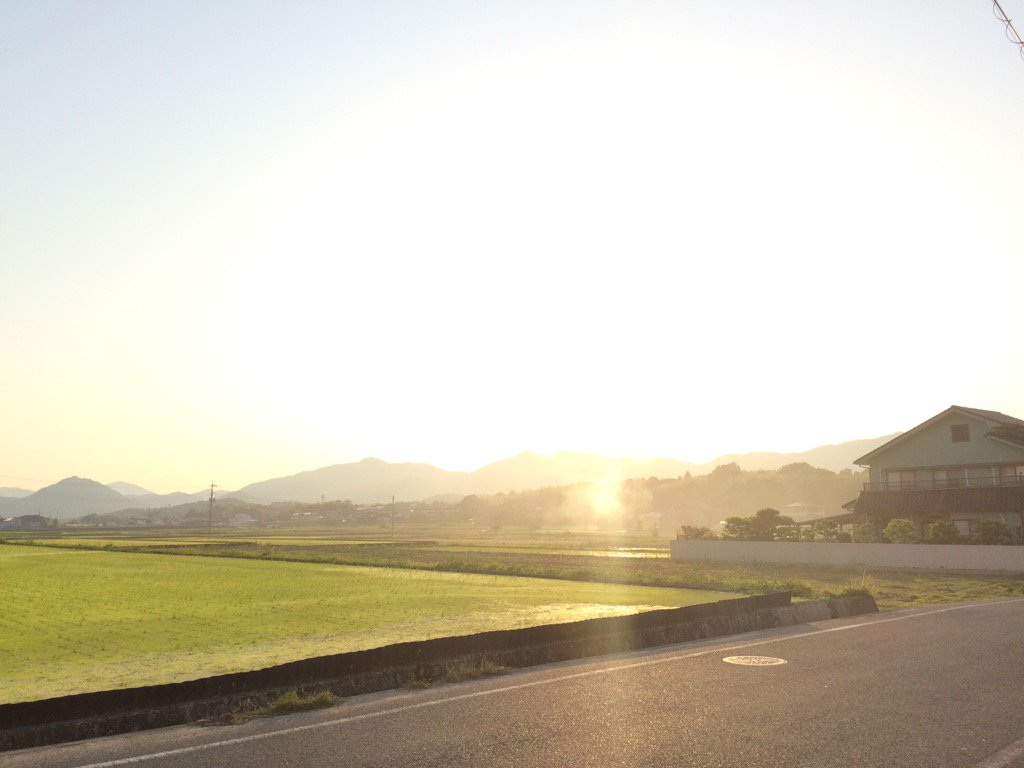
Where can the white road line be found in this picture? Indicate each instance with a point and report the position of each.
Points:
(548, 681)
(1004, 757)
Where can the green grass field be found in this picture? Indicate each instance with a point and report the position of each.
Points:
(129, 609)
(596, 556)
(322, 543)
(80, 620)
(438, 538)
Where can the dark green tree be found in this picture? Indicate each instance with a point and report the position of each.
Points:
(864, 533)
(763, 526)
(699, 533)
(737, 529)
(944, 532)
(766, 522)
(901, 531)
(992, 532)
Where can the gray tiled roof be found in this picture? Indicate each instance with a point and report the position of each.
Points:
(1013, 435)
(940, 502)
(996, 416)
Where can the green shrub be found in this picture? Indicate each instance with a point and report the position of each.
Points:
(695, 533)
(901, 531)
(763, 526)
(944, 532)
(864, 533)
(992, 532)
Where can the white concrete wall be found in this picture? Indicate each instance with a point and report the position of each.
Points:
(953, 557)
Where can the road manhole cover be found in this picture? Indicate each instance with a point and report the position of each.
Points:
(754, 661)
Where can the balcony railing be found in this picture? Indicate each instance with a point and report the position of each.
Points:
(939, 485)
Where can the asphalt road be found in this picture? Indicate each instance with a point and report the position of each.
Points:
(938, 686)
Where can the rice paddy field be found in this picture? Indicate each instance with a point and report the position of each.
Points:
(74, 620)
(585, 555)
(322, 543)
(593, 544)
(106, 609)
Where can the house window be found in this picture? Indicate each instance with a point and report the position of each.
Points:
(963, 527)
(900, 479)
(940, 478)
(1011, 475)
(961, 433)
(981, 477)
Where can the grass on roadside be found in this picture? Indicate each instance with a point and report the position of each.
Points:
(461, 673)
(293, 701)
(287, 703)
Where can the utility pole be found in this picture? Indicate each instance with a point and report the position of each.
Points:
(209, 522)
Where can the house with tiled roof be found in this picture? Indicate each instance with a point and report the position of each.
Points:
(962, 465)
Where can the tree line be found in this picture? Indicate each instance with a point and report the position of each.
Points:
(692, 500)
(770, 525)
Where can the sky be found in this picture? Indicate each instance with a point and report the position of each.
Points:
(241, 240)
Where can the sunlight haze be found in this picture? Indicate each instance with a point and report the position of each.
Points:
(240, 241)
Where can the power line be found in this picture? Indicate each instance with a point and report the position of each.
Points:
(1011, 32)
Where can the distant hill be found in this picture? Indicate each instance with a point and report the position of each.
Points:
(154, 500)
(375, 481)
(77, 496)
(831, 457)
(71, 497)
(14, 493)
(129, 489)
(366, 481)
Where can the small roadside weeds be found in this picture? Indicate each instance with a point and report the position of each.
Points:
(461, 673)
(293, 701)
(287, 703)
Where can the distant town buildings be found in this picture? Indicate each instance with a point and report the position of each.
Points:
(27, 523)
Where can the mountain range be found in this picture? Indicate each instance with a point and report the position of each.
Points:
(14, 493)
(374, 481)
